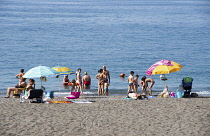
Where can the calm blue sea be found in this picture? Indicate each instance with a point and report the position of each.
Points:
(124, 35)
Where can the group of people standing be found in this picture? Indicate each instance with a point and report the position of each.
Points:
(84, 82)
(103, 77)
(133, 84)
(80, 82)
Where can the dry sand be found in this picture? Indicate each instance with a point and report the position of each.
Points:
(107, 116)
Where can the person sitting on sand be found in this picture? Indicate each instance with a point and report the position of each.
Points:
(165, 93)
(130, 82)
(21, 84)
(66, 80)
(86, 80)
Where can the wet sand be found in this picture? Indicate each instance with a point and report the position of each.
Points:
(107, 116)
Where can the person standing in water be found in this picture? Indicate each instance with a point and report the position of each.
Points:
(100, 77)
(130, 83)
(79, 81)
(86, 80)
(106, 80)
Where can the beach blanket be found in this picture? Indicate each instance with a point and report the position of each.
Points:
(81, 101)
(129, 98)
(60, 102)
(151, 97)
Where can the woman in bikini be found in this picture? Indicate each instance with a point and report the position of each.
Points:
(144, 82)
(100, 77)
(30, 86)
(21, 84)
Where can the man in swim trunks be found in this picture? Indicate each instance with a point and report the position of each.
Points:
(130, 82)
(86, 81)
(106, 79)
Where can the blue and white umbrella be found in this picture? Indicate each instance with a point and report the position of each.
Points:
(40, 71)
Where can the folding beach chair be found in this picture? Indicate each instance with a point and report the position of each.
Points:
(16, 94)
(187, 85)
(34, 94)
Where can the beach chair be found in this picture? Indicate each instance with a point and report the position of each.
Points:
(187, 85)
(16, 94)
(36, 94)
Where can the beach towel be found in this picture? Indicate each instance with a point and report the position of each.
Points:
(60, 102)
(129, 98)
(81, 101)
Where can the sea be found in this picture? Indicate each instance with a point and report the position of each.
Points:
(123, 35)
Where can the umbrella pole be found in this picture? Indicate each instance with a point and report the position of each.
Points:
(59, 86)
(41, 83)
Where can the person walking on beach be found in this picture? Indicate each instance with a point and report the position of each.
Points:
(135, 84)
(130, 82)
(86, 80)
(100, 77)
(79, 80)
(106, 79)
(144, 83)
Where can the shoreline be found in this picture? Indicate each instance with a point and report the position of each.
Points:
(107, 115)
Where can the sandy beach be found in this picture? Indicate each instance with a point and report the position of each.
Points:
(107, 116)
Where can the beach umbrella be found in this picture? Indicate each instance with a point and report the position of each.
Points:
(163, 67)
(40, 71)
(63, 70)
